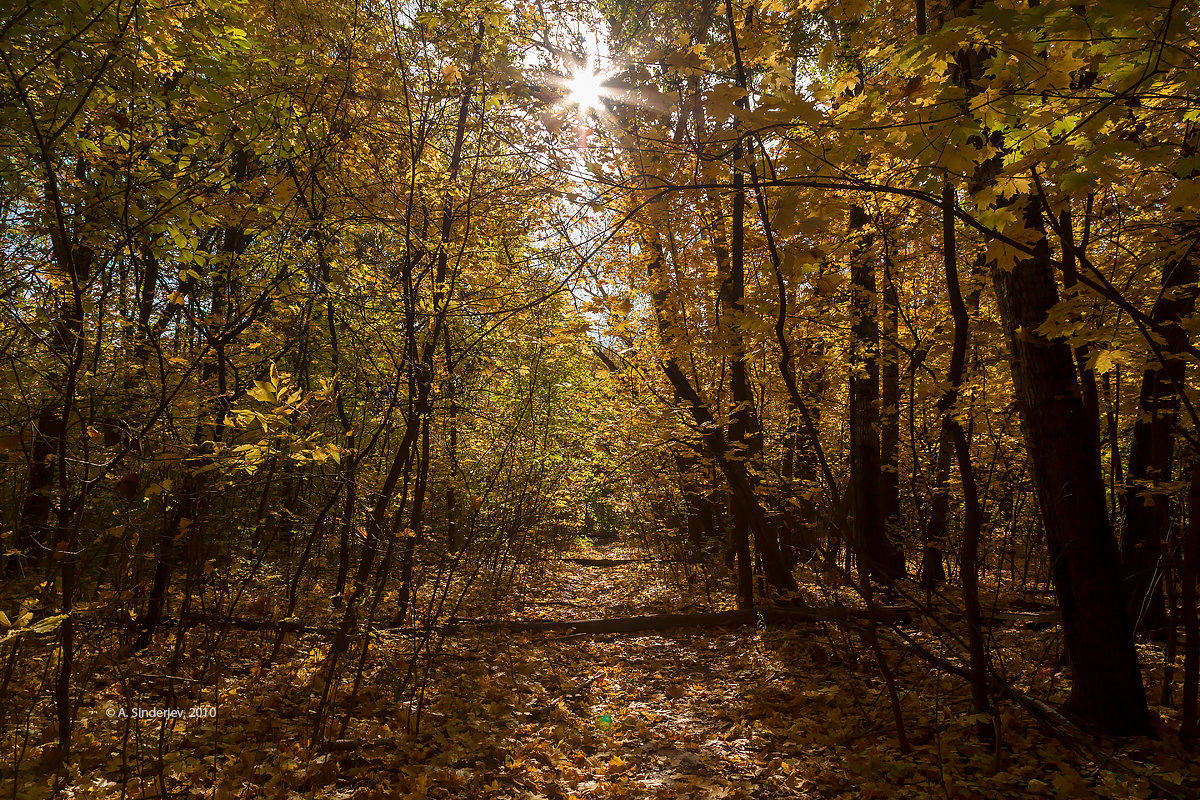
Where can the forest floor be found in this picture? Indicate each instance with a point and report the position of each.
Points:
(792, 711)
(795, 711)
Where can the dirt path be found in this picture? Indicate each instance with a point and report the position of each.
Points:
(657, 715)
(689, 714)
(776, 712)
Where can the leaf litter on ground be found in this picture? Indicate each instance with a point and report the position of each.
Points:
(795, 711)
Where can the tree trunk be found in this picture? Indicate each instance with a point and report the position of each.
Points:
(453, 538)
(1064, 451)
(741, 414)
(1147, 507)
(32, 532)
(1189, 573)
(953, 431)
(889, 412)
(740, 481)
(933, 566)
(880, 558)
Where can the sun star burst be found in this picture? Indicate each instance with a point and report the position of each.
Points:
(585, 89)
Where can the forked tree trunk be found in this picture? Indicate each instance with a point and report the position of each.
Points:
(741, 482)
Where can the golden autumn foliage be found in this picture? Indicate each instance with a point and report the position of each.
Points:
(543, 399)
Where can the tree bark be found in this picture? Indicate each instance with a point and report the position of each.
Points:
(1064, 451)
(1147, 507)
(1189, 573)
(889, 389)
(879, 556)
(741, 415)
(952, 430)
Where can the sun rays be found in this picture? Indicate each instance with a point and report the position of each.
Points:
(586, 90)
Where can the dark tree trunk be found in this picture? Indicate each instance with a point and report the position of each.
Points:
(698, 523)
(1189, 573)
(441, 295)
(741, 416)
(880, 558)
(889, 413)
(347, 522)
(740, 481)
(933, 565)
(32, 532)
(1064, 451)
(454, 538)
(177, 528)
(972, 515)
(49, 448)
(1112, 427)
(1146, 505)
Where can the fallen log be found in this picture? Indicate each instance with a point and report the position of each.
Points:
(1033, 620)
(610, 625)
(618, 562)
(659, 622)
(648, 622)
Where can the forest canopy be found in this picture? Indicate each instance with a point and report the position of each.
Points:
(342, 343)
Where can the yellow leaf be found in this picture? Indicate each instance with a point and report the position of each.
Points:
(263, 391)
(49, 624)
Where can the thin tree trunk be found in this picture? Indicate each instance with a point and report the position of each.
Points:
(889, 388)
(741, 415)
(933, 565)
(452, 535)
(953, 430)
(441, 296)
(420, 381)
(740, 482)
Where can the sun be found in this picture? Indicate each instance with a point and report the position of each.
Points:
(586, 90)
